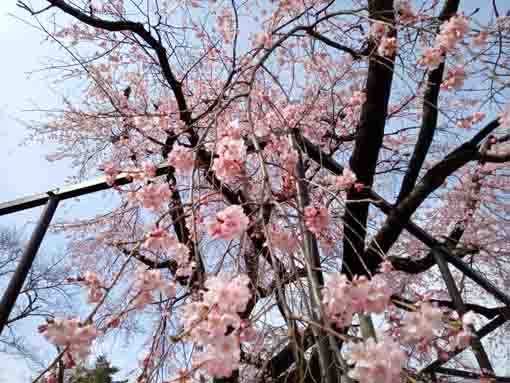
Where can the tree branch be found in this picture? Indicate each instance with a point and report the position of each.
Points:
(369, 138)
(355, 55)
(433, 179)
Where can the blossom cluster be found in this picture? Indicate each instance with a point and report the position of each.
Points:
(214, 323)
(282, 149)
(111, 172)
(92, 281)
(342, 298)
(228, 223)
(161, 240)
(152, 196)
(467, 122)
(420, 326)
(379, 362)
(387, 45)
(405, 11)
(225, 22)
(450, 33)
(316, 219)
(345, 181)
(231, 151)
(147, 283)
(454, 79)
(181, 158)
(72, 334)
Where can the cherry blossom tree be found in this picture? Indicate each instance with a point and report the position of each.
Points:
(319, 188)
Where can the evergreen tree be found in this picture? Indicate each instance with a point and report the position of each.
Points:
(102, 372)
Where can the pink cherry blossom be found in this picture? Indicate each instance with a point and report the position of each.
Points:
(420, 326)
(149, 169)
(111, 172)
(467, 122)
(316, 219)
(387, 46)
(386, 267)
(345, 181)
(378, 29)
(379, 295)
(462, 338)
(181, 158)
(342, 299)
(181, 255)
(263, 40)
(432, 57)
(452, 32)
(337, 301)
(154, 196)
(228, 223)
(225, 25)
(149, 281)
(230, 296)
(283, 240)
(379, 362)
(91, 280)
(405, 11)
(358, 98)
(222, 357)
(231, 155)
(72, 334)
(198, 88)
(159, 239)
(209, 323)
(454, 79)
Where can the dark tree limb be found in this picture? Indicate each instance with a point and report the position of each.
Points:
(476, 345)
(484, 331)
(400, 215)
(316, 35)
(430, 114)
(487, 312)
(139, 30)
(327, 162)
(369, 138)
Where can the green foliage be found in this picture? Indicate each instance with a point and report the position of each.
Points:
(102, 372)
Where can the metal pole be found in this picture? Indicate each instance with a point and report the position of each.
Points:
(485, 330)
(18, 279)
(458, 303)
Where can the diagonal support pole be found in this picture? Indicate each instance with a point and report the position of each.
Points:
(329, 163)
(470, 375)
(476, 344)
(484, 331)
(438, 247)
(27, 259)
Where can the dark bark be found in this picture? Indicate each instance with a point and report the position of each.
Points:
(487, 312)
(431, 181)
(430, 114)
(369, 137)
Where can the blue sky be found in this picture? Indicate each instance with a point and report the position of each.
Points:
(24, 169)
